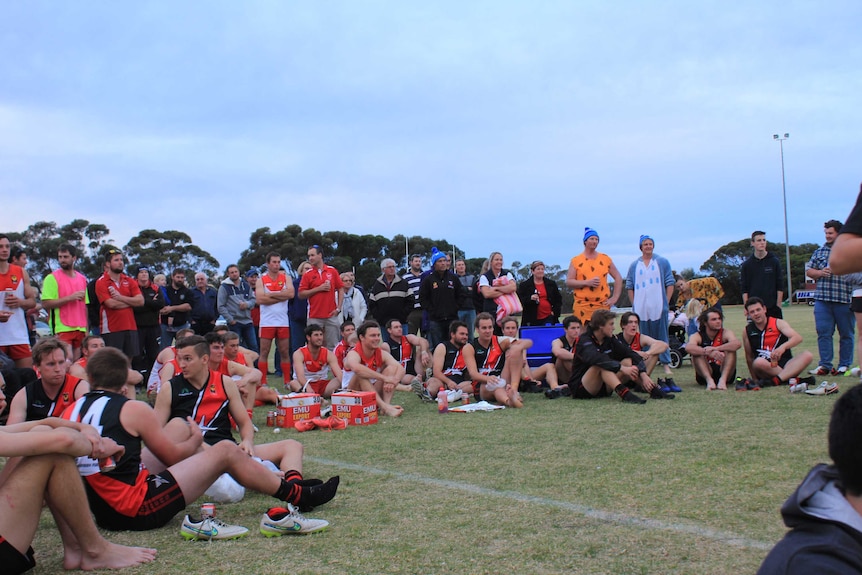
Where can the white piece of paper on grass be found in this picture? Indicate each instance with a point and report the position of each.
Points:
(480, 406)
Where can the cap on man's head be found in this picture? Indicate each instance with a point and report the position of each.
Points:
(643, 239)
(252, 272)
(436, 255)
(588, 233)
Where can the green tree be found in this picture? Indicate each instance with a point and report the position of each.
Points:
(163, 252)
(41, 240)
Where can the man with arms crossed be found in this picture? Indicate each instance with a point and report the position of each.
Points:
(831, 307)
(321, 286)
(118, 294)
(175, 315)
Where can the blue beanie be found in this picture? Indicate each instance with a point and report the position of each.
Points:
(588, 233)
(643, 239)
(436, 255)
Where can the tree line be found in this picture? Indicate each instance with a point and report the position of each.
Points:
(163, 251)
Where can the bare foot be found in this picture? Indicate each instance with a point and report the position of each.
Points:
(710, 387)
(722, 386)
(71, 556)
(514, 400)
(393, 410)
(113, 556)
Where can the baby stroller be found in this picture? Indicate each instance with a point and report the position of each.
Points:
(676, 337)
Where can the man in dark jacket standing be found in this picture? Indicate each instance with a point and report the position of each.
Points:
(825, 512)
(760, 276)
(147, 319)
(441, 295)
(178, 306)
(204, 305)
(235, 302)
(390, 297)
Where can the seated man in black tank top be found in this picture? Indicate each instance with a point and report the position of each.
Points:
(768, 342)
(129, 497)
(713, 351)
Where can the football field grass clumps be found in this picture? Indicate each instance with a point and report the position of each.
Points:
(691, 485)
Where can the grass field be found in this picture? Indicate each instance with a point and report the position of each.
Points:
(692, 485)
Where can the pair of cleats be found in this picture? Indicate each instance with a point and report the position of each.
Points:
(560, 391)
(328, 423)
(630, 397)
(530, 386)
(421, 391)
(748, 384)
(842, 370)
(825, 388)
(800, 385)
(660, 393)
(668, 385)
(276, 522)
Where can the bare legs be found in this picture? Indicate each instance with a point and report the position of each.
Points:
(384, 392)
(55, 478)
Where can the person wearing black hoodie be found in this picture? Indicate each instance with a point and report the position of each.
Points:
(825, 512)
(441, 295)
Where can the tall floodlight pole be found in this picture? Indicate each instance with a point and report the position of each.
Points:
(784, 194)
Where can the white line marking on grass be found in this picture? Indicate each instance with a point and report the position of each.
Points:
(620, 518)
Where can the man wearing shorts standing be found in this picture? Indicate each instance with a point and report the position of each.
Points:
(16, 296)
(64, 293)
(272, 292)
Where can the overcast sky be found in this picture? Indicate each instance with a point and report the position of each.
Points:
(499, 125)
